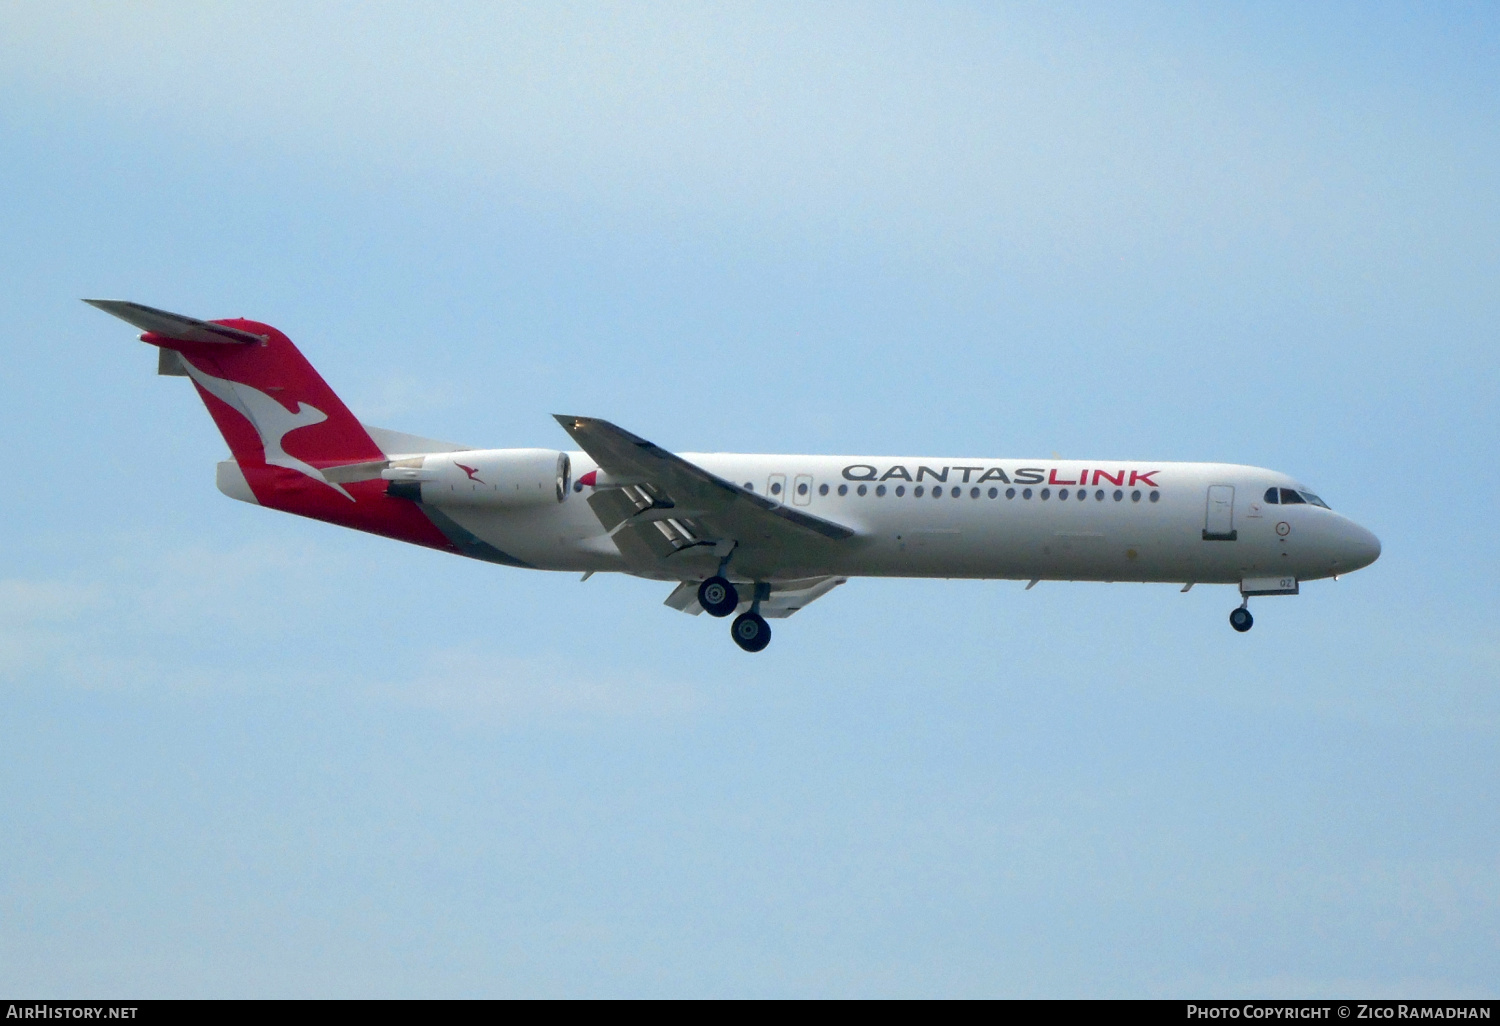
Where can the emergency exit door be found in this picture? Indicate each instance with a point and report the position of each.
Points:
(1218, 519)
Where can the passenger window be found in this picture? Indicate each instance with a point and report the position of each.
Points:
(1119, 495)
(1291, 498)
(776, 488)
(1010, 493)
(1046, 493)
(1135, 496)
(1026, 494)
(802, 488)
(843, 489)
(749, 487)
(822, 489)
(957, 492)
(1063, 494)
(994, 493)
(862, 489)
(1155, 496)
(880, 489)
(1099, 495)
(1271, 496)
(918, 490)
(900, 491)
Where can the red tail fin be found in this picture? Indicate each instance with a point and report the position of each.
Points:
(272, 407)
(283, 423)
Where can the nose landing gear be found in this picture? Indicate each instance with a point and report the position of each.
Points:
(1240, 619)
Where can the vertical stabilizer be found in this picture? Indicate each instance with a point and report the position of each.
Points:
(285, 427)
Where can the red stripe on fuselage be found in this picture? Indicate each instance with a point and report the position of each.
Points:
(372, 510)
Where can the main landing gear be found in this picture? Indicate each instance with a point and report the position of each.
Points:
(718, 597)
(1240, 619)
(750, 631)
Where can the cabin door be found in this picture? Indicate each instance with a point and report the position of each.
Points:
(1218, 520)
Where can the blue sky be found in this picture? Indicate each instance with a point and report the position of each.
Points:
(244, 754)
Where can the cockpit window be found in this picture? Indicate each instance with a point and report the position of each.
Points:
(1289, 497)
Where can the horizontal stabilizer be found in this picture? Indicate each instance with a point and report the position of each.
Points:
(173, 326)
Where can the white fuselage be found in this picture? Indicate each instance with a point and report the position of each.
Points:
(977, 518)
(758, 536)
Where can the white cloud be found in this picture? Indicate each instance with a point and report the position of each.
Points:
(30, 602)
(988, 128)
(475, 685)
(139, 620)
(195, 618)
(37, 621)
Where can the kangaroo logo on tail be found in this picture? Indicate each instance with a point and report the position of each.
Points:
(271, 421)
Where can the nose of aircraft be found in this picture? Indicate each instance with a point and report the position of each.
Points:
(1358, 547)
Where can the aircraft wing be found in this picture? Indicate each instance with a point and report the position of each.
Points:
(670, 517)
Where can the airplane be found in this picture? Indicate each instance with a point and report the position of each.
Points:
(753, 536)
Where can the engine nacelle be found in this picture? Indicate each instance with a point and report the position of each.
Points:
(502, 478)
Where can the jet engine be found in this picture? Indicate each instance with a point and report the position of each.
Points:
(501, 478)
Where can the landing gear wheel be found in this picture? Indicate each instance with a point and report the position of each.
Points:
(1241, 620)
(718, 597)
(751, 632)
